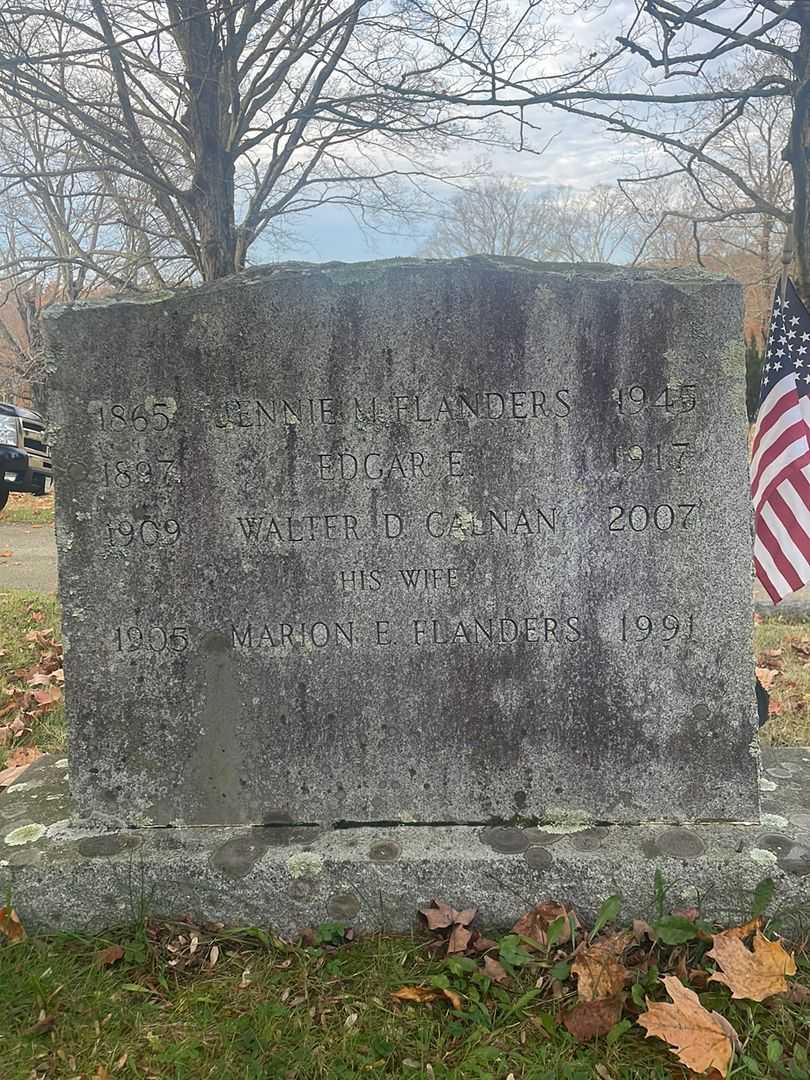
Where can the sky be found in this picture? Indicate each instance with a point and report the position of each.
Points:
(578, 157)
(581, 155)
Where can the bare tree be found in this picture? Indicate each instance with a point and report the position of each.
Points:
(235, 114)
(673, 60)
(504, 216)
(496, 216)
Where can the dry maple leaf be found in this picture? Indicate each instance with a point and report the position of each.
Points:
(753, 975)
(701, 1039)
(535, 923)
(10, 925)
(599, 971)
(744, 931)
(589, 1019)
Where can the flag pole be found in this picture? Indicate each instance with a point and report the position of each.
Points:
(787, 259)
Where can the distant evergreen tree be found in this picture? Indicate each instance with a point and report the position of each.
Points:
(753, 374)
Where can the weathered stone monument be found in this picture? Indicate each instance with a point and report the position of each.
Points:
(406, 567)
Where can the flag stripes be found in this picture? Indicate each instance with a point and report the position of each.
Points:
(780, 453)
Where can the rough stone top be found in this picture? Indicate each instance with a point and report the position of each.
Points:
(685, 279)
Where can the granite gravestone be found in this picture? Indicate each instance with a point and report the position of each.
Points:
(417, 541)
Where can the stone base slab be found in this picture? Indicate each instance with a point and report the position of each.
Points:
(61, 873)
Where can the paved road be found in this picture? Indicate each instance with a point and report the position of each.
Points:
(32, 563)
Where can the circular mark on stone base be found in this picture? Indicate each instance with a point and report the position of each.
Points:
(110, 844)
(237, 857)
(681, 843)
(780, 772)
(505, 840)
(776, 842)
(385, 851)
(539, 858)
(590, 839)
(342, 906)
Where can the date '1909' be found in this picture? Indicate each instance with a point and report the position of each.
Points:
(147, 532)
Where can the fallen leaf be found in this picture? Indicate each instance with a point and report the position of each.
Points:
(23, 756)
(459, 940)
(420, 995)
(482, 944)
(744, 931)
(38, 616)
(701, 1039)
(495, 969)
(589, 1019)
(770, 658)
(102, 1073)
(43, 1025)
(600, 974)
(753, 975)
(47, 697)
(798, 994)
(767, 677)
(213, 955)
(425, 995)
(641, 930)
(535, 923)
(801, 647)
(440, 915)
(10, 925)
(6, 554)
(110, 955)
(8, 776)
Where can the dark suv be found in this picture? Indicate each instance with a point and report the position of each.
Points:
(25, 459)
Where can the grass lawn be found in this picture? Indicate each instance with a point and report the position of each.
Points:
(246, 1006)
(23, 614)
(28, 510)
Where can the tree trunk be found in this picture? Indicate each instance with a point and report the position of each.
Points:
(798, 154)
(211, 198)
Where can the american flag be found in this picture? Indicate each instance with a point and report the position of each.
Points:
(780, 452)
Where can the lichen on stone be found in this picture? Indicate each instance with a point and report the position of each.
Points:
(763, 857)
(25, 834)
(304, 864)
